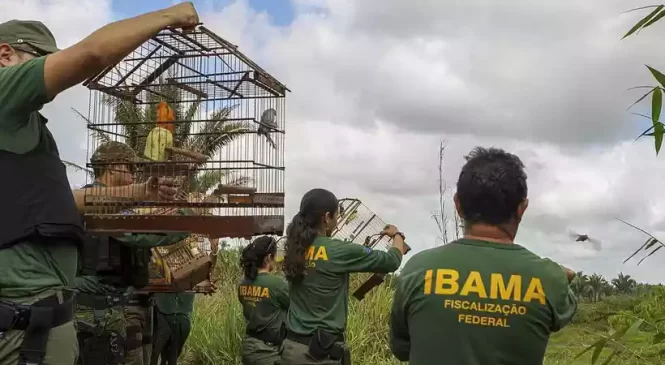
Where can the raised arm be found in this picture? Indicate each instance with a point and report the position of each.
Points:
(151, 240)
(351, 257)
(109, 45)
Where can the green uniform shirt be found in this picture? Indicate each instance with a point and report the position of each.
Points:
(29, 271)
(175, 303)
(321, 299)
(264, 301)
(91, 284)
(478, 303)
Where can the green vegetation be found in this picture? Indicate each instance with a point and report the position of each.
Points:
(606, 305)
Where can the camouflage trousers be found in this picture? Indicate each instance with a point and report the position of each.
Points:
(114, 335)
(257, 352)
(139, 325)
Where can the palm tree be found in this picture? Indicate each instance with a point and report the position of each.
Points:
(597, 287)
(624, 284)
(579, 285)
(136, 121)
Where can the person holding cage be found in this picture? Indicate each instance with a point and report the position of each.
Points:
(481, 299)
(318, 268)
(265, 300)
(108, 312)
(42, 227)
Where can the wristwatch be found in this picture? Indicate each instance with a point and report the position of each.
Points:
(401, 234)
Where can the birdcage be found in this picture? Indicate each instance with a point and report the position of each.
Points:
(197, 112)
(358, 224)
(179, 267)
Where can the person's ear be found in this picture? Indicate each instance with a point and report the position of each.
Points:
(458, 206)
(6, 53)
(521, 209)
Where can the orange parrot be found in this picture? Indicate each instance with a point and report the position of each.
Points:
(161, 137)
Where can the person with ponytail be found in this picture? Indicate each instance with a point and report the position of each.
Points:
(265, 300)
(317, 268)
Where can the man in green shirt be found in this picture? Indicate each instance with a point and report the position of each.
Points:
(173, 317)
(108, 311)
(317, 268)
(42, 229)
(481, 300)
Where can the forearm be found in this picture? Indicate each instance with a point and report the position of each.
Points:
(99, 194)
(151, 240)
(112, 42)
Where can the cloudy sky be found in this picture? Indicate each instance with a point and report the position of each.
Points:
(376, 88)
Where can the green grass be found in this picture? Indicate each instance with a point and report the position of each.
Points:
(218, 327)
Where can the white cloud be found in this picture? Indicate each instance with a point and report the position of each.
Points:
(69, 21)
(376, 88)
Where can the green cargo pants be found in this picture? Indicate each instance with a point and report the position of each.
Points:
(171, 332)
(257, 352)
(294, 353)
(61, 348)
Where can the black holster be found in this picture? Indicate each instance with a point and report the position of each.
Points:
(36, 321)
(322, 345)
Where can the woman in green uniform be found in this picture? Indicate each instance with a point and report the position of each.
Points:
(264, 298)
(318, 267)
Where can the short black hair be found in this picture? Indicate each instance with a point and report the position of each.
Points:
(491, 186)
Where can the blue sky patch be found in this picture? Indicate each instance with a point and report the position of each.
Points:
(281, 12)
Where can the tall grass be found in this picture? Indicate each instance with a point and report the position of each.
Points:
(218, 327)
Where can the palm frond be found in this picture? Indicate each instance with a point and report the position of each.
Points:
(183, 129)
(205, 181)
(216, 133)
(99, 134)
(76, 166)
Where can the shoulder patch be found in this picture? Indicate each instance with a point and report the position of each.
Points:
(368, 250)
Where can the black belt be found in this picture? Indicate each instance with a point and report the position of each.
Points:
(305, 339)
(266, 337)
(52, 313)
(141, 300)
(36, 320)
(101, 301)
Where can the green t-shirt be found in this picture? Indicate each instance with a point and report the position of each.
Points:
(175, 303)
(321, 299)
(30, 271)
(477, 303)
(264, 301)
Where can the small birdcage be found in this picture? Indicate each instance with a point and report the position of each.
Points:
(179, 267)
(199, 112)
(357, 224)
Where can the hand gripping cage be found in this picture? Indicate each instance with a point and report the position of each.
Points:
(198, 112)
(358, 224)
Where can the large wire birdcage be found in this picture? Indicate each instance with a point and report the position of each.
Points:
(199, 112)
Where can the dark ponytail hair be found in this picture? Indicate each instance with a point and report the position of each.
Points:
(254, 255)
(304, 228)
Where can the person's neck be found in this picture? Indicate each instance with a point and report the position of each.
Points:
(484, 232)
(263, 270)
